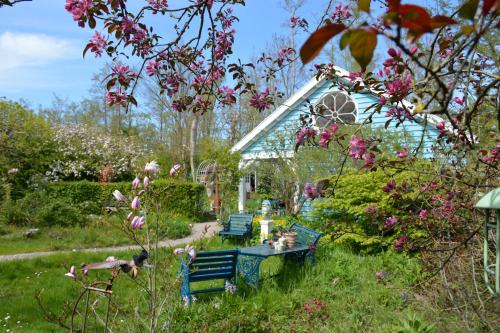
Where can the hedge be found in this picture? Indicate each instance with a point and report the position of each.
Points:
(174, 196)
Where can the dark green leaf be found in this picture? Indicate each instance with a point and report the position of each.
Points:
(364, 5)
(468, 9)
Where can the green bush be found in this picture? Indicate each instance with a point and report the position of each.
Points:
(177, 197)
(172, 227)
(347, 217)
(60, 213)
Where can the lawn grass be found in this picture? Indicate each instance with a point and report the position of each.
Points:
(101, 233)
(340, 293)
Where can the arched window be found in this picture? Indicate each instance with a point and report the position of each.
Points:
(335, 107)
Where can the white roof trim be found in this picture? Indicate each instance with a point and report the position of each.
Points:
(298, 96)
(301, 95)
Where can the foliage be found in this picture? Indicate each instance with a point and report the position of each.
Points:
(59, 212)
(368, 213)
(26, 144)
(88, 153)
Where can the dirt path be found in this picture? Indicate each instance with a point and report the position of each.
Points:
(198, 231)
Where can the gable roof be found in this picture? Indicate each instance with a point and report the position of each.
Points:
(301, 95)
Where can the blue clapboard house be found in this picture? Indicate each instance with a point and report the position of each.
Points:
(275, 135)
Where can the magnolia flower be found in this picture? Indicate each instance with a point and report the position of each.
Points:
(146, 182)
(12, 171)
(85, 272)
(175, 169)
(110, 259)
(71, 273)
(152, 167)
(136, 203)
(133, 224)
(140, 222)
(119, 196)
(188, 249)
(129, 216)
(135, 183)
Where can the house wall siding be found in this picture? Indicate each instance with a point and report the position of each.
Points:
(280, 136)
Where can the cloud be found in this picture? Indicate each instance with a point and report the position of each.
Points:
(22, 50)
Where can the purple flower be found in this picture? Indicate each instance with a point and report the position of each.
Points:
(357, 147)
(119, 196)
(135, 183)
(390, 222)
(140, 222)
(310, 191)
(98, 43)
(188, 249)
(136, 203)
(146, 182)
(391, 185)
(403, 153)
(423, 214)
(129, 216)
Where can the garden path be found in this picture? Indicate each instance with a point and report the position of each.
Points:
(200, 230)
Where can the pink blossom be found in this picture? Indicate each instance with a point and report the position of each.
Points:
(228, 95)
(98, 43)
(393, 53)
(334, 128)
(324, 138)
(116, 97)
(136, 203)
(459, 101)
(140, 222)
(296, 21)
(369, 159)
(400, 243)
(445, 53)
(79, 9)
(422, 215)
(152, 68)
(341, 13)
(382, 100)
(304, 134)
(310, 191)
(129, 216)
(357, 147)
(128, 25)
(354, 75)
(441, 126)
(146, 182)
(158, 5)
(403, 153)
(414, 49)
(261, 101)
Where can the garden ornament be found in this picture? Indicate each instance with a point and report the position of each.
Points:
(266, 209)
(491, 205)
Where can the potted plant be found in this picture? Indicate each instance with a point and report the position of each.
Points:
(291, 236)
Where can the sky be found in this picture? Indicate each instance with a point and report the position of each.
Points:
(41, 46)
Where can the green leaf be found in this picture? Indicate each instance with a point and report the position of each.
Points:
(364, 5)
(317, 40)
(468, 9)
(362, 43)
(345, 39)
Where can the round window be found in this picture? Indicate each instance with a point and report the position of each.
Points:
(335, 107)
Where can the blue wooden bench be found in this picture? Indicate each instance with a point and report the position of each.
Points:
(210, 265)
(238, 226)
(305, 238)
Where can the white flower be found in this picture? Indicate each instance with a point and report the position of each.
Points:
(119, 196)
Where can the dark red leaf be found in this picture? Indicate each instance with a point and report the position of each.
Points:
(440, 21)
(490, 5)
(317, 40)
(89, 45)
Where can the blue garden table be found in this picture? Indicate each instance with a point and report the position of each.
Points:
(249, 259)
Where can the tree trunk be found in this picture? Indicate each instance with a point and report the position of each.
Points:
(193, 143)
